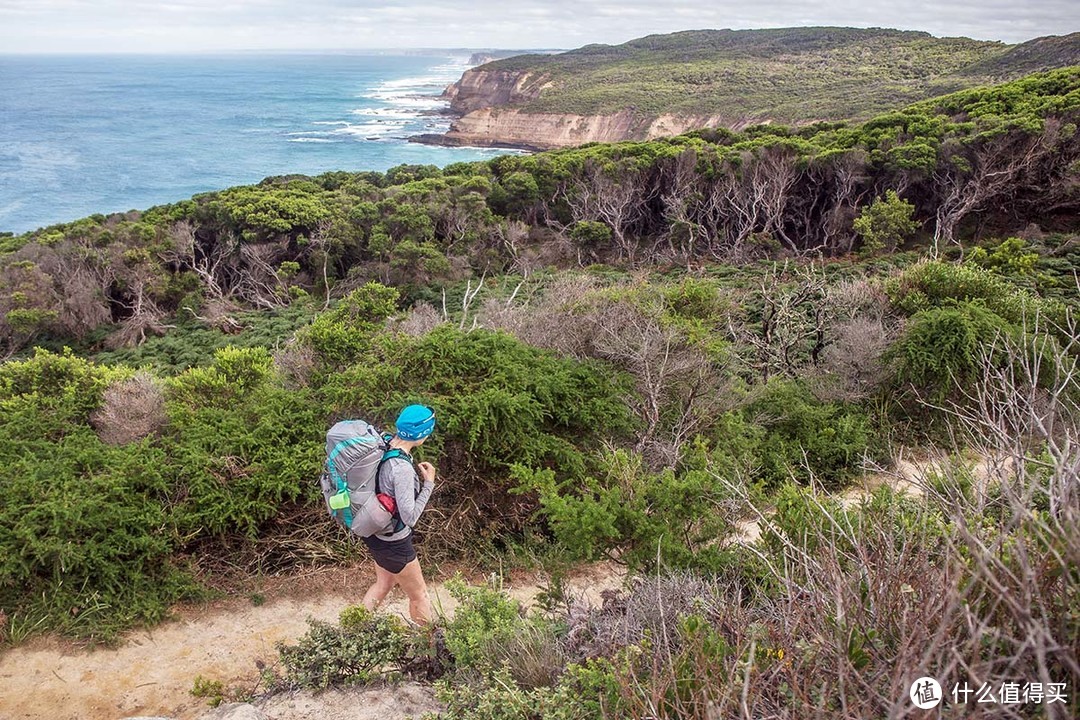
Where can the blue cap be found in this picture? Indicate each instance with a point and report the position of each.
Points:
(415, 422)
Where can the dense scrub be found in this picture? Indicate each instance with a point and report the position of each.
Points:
(589, 414)
(109, 513)
(785, 74)
(834, 610)
(990, 161)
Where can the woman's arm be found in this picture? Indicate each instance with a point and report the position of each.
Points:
(409, 506)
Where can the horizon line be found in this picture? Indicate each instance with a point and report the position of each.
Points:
(475, 48)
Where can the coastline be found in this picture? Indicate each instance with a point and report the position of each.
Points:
(289, 115)
(445, 140)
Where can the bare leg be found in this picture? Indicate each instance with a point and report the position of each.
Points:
(411, 580)
(384, 583)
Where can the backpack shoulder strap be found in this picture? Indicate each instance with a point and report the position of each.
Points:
(389, 454)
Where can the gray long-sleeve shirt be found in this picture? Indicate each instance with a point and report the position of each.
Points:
(398, 478)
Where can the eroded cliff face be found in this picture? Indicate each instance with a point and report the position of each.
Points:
(493, 88)
(542, 131)
(485, 102)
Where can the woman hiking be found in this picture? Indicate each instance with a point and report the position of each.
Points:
(395, 558)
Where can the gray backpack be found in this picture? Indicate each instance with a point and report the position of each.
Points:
(354, 452)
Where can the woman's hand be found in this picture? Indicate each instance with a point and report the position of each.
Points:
(427, 471)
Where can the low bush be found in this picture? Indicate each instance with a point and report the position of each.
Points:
(241, 445)
(934, 284)
(484, 620)
(1012, 256)
(941, 348)
(86, 533)
(508, 665)
(84, 527)
(362, 647)
(885, 223)
(806, 439)
(498, 402)
(641, 517)
(343, 335)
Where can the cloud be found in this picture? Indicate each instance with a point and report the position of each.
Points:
(207, 25)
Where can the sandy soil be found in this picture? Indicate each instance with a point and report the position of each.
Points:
(151, 672)
(406, 700)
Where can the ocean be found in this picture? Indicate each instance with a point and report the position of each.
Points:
(82, 135)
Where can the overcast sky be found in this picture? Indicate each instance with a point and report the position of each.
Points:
(209, 25)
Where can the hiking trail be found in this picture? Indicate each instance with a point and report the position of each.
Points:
(151, 671)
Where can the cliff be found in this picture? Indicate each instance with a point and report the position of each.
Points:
(479, 88)
(487, 103)
(513, 127)
(669, 84)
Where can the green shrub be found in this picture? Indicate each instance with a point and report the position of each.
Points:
(67, 386)
(85, 539)
(499, 402)
(496, 672)
(939, 284)
(885, 223)
(941, 349)
(235, 467)
(84, 530)
(234, 373)
(1012, 256)
(805, 438)
(342, 335)
(240, 445)
(484, 619)
(590, 234)
(583, 692)
(494, 698)
(363, 647)
(675, 516)
(212, 690)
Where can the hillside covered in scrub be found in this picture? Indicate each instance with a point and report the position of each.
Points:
(663, 85)
(633, 350)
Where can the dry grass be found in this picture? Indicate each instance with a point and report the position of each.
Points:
(131, 410)
(421, 319)
(976, 582)
(295, 362)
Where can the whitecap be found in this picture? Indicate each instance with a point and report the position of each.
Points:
(370, 129)
(396, 113)
(428, 81)
(397, 107)
(411, 101)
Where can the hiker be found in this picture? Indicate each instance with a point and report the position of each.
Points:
(395, 558)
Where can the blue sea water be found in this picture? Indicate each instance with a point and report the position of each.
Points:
(84, 135)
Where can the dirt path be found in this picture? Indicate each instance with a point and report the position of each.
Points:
(152, 671)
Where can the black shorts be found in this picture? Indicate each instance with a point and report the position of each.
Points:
(391, 556)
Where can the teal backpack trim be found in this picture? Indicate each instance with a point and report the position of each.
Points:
(346, 513)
